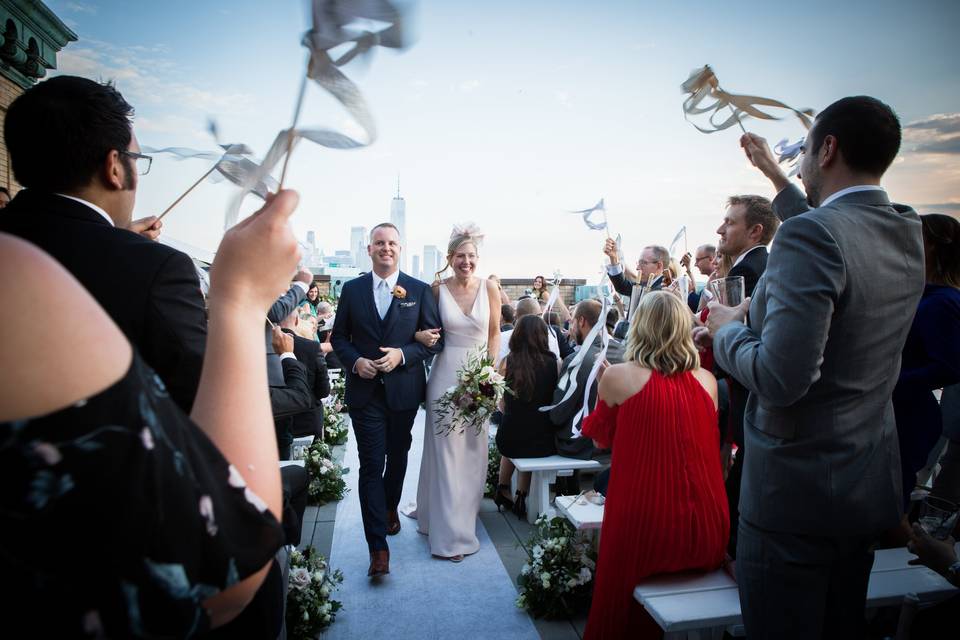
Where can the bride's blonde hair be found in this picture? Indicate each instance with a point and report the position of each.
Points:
(461, 235)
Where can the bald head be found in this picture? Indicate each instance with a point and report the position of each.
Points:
(527, 307)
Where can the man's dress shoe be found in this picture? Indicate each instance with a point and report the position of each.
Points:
(379, 563)
(393, 522)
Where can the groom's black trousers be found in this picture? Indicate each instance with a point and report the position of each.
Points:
(383, 440)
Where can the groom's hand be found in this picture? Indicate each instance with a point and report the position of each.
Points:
(365, 368)
(391, 360)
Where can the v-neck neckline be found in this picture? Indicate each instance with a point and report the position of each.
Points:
(475, 299)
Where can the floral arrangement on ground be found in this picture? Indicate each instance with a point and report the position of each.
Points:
(326, 476)
(493, 468)
(471, 401)
(338, 391)
(558, 580)
(310, 608)
(335, 429)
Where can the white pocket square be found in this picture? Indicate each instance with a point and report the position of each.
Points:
(408, 304)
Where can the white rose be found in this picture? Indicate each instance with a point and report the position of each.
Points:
(585, 575)
(299, 578)
(545, 576)
(525, 569)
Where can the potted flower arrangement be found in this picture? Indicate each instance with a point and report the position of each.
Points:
(310, 609)
(478, 391)
(558, 579)
(335, 430)
(493, 468)
(326, 476)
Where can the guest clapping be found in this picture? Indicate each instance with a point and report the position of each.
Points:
(666, 510)
(525, 431)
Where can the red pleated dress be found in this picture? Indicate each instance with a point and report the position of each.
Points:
(666, 506)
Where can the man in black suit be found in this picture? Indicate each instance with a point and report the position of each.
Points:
(748, 227)
(72, 147)
(308, 353)
(374, 337)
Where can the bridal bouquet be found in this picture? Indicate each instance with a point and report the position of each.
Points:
(476, 395)
(309, 607)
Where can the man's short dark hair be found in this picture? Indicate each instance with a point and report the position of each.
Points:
(758, 210)
(661, 254)
(384, 225)
(867, 133)
(506, 314)
(613, 317)
(589, 310)
(60, 131)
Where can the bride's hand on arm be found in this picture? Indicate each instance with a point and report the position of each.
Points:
(427, 337)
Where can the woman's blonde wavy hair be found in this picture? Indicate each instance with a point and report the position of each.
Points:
(660, 335)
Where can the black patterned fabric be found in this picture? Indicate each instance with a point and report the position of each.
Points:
(119, 517)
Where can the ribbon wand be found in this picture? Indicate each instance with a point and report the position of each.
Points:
(184, 194)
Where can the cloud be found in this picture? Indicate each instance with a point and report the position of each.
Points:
(938, 133)
(563, 97)
(81, 7)
(468, 86)
(950, 207)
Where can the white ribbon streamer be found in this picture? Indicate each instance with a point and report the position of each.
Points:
(586, 213)
(789, 153)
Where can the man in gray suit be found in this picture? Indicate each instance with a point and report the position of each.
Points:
(820, 358)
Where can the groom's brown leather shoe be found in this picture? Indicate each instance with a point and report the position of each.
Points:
(379, 563)
(393, 522)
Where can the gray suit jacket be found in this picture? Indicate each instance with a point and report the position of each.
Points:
(283, 307)
(820, 358)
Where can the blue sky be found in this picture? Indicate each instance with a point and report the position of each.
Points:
(510, 113)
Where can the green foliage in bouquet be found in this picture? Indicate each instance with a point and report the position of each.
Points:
(310, 608)
(335, 430)
(558, 580)
(326, 476)
(476, 395)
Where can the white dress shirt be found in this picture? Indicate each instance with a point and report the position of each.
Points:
(391, 282)
(744, 254)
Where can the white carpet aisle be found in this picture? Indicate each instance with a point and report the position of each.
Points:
(423, 597)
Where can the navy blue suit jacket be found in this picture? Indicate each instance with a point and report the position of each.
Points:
(358, 332)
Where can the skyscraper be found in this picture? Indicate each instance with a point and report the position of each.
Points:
(358, 248)
(415, 268)
(431, 262)
(398, 217)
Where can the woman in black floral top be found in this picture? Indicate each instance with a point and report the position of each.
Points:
(119, 515)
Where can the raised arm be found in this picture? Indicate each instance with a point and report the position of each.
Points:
(790, 201)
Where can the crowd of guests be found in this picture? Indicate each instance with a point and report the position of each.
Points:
(785, 434)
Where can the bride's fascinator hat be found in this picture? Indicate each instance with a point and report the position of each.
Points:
(463, 233)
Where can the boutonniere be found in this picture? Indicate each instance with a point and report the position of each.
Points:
(399, 292)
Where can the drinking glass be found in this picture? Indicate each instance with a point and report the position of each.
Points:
(728, 291)
(938, 517)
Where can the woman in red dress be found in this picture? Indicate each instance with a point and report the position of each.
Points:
(666, 506)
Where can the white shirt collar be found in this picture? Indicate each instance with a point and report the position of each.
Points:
(849, 190)
(744, 254)
(391, 280)
(91, 205)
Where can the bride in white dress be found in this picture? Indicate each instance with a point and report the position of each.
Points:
(453, 469)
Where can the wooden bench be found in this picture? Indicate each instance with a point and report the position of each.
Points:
(581, 516)
(544, 473)
(706, 605)
(293, 463)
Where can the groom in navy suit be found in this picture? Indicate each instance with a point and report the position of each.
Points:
(373, 336)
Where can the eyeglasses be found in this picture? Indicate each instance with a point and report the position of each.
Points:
(143, 162)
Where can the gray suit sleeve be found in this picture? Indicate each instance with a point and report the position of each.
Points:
(802, 284)
(790, 202)
(286, 303)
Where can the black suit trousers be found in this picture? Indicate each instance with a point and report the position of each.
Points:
(383, 437)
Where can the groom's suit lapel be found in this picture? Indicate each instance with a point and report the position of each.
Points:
(369, 304)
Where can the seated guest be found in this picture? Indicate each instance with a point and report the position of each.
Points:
(291, 398)
(172, 520)
(80, 211)
(307, 351)
(325, 317)
(525, 307)
(585, 316)
(525, 431)
(284, 305)
(703, 259)
(931, 355)
(614, 345)
(313, 297)
(666, 509)
(506, 317)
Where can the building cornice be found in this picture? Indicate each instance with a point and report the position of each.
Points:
(31, 35)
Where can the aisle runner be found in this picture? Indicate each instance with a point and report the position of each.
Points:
(423, 597)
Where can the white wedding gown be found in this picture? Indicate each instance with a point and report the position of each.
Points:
(453, 468)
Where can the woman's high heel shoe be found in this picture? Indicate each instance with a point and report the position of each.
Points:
(520, 505)
(501, 500)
